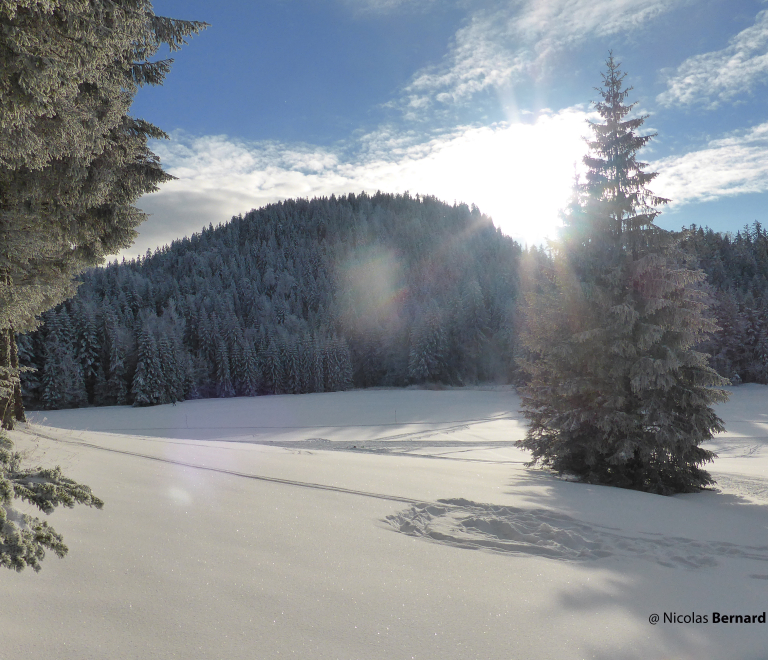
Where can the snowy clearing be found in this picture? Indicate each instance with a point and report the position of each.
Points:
(380, 524)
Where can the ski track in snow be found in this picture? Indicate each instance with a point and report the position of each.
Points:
(543, 533)
(405, 444)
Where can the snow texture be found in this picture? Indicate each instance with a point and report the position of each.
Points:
(550, 534)
(340, 525)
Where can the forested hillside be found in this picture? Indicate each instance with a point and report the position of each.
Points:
(299, 296)
(327, 294)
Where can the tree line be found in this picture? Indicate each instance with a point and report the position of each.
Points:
(276, 302)
(300, 296)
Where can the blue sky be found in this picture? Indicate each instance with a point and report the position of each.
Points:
(476, 101)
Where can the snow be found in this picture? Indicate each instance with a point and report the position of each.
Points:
(380, 524)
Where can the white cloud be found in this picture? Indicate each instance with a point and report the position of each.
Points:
(734, 165)
(502, 45)
(520, 174)
(386, 6)
(719, 76)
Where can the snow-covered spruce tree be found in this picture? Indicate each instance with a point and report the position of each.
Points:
(72, 161)
(224, 387)
(86, 344)
(318, 372)
(62, 377)
(429, 347)
(173, 379)
(272, 368)
(617, 395)
(250, 373)
(292, 368)
(148, 388)
(343, 361)
(305, 363)
(117, 386)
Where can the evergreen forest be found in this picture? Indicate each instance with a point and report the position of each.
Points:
(737, 274)
(299, 296)
(333, 293)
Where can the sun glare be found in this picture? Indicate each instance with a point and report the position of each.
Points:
(520, 174)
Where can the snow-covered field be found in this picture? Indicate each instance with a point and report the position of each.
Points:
(380, 524)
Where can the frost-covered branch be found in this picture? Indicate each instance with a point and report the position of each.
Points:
(24, 538)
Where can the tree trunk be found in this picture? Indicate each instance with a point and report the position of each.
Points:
(18, 403)
(11, 405)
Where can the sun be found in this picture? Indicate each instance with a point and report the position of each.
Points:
(521, 174)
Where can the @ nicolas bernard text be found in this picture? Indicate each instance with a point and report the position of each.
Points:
(714, 617)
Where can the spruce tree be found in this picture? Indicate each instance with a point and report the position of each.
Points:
(418, 365)
(224, 387)
(318, 372)
(148, 388)
(343, 361)
(292, 368)
(272, 369)
(101, 393)
(86, 344)
(172, 378)
(30, 360)
(251, 375)
(331, 367)
(427, 358)
(55, 348)
(617, 394)
(72, 161)
(116, 383)
(305, 364)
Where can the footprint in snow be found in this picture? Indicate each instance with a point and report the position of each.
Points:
(544, 533)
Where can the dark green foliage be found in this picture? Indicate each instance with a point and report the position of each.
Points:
(317, 368)
(617, 394)
(273, 369)
(248, 372)
(114, 349)
(24, 538)
(290, 359)
(340, 365)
